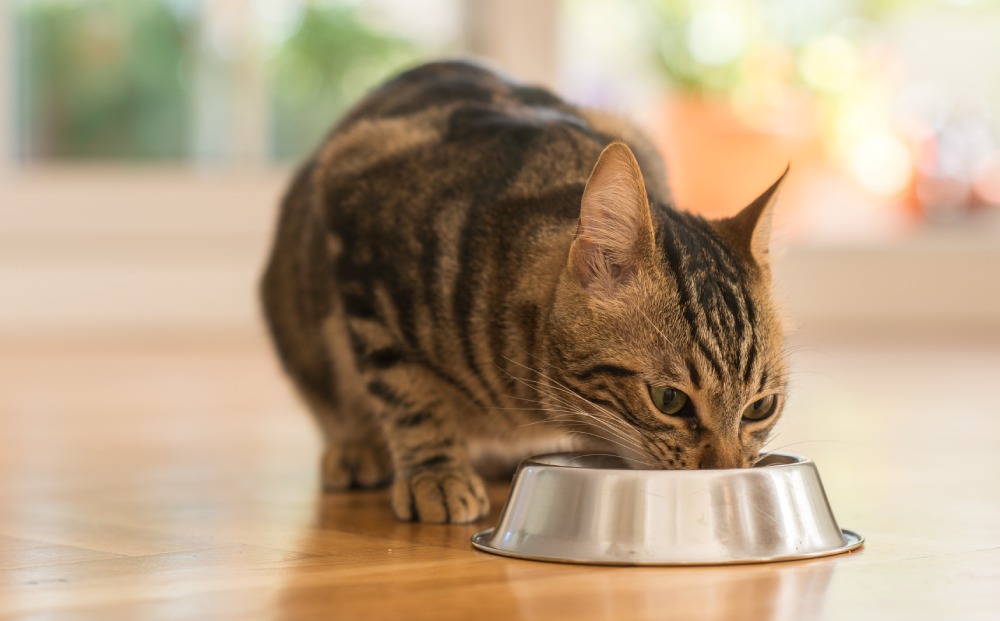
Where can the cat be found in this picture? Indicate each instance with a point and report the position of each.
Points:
(470, 270)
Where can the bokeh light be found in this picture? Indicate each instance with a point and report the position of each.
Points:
(882, 163)
(716, 35)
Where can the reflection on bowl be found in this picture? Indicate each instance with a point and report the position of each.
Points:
(581, 508)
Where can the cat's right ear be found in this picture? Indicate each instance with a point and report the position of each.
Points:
(615, 230)
(749, 231)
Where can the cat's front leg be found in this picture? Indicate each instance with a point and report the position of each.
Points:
(447, 494)
(434, 479)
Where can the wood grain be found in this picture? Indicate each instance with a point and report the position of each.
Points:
(179, 483)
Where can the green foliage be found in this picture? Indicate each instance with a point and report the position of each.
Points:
(324, 67)
(113, 79)
(102, 79)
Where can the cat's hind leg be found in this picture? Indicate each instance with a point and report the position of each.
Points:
(355, 453)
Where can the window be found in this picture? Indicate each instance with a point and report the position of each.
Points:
(219, 81)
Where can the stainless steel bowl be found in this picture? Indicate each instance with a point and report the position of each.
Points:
(580, 508)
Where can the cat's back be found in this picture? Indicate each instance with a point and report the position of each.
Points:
(456, 132)
(447, 84)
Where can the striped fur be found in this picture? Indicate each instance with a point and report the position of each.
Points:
(433, 293)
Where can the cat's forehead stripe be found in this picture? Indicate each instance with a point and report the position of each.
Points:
(713, 294)
(693, 373)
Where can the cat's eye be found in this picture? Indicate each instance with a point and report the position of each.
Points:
(761, 408)
(669, 400)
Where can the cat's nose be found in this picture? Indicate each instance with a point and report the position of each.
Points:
(708, 462)
(714, 459)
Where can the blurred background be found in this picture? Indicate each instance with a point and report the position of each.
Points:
(145, 144)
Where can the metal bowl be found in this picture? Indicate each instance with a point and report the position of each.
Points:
(579, 508)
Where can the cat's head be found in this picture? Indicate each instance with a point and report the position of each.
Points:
(664, 325)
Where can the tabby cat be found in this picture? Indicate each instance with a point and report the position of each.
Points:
(470, 270)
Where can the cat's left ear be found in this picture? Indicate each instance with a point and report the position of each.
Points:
(749, 231)
(615, 233)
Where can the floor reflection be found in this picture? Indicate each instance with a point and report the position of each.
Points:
(772, 592)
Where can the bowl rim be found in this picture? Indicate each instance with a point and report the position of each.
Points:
(852, 541)
(794, 460)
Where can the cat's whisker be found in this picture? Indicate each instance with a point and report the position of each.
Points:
(620, 425)
(797, 372)
(519, 409)
(771, 437)
(807, 348)
(621, 430)
(543, 404)
(611, 429)
(536, 386)
(652, 324)
(561, 386)
(568, 423)
(516, 398)
(609, 422)
(627, 449)
(532, 384)
(581, 456)
(620, 439)
(534, 357)
(611, 425)
(802, 347)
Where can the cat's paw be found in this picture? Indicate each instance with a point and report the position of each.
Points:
(356, 464)
(440, 495)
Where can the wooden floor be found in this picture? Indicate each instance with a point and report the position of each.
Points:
(178, 482)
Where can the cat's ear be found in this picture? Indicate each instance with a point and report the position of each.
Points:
(615, 231)
(749, 231)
